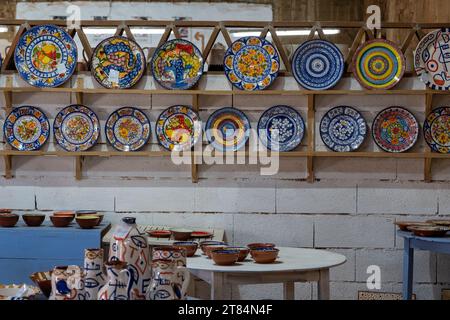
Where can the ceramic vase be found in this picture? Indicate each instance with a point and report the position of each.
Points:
(67, 283)
(165, 283)
(117, 286)
(130, 246)
(95, 276)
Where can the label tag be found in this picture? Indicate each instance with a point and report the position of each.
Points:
(113, 76)
(122, 231)
(61, 68)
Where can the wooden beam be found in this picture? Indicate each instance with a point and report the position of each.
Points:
(311, 137)
(79, 95)
(427, 174)
(86, 46)
(8, 166)
(176, 32)
(211, 41)
(281, 51)
(79, 167)
(129, 33)
(194, 165)
(225, 34)
(8, 62)
(165, 36)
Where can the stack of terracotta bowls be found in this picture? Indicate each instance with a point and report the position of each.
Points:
(62, 219)
(263, 252)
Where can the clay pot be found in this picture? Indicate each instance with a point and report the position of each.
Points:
(33, 220)
(87, 222)
(190, 246)
(257, 245)
(434, 231)
(159, 233)
(205, 243)
(404, 225)
(70, 214)
(181, 234)
(212, 247)
(61, 221)
(243, 252)
(8, 220)
(264, 255)
(225, 257)
(81, 213)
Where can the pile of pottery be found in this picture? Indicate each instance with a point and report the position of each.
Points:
(225, 255)
(128, 274)
(429, 228)
(86, 219)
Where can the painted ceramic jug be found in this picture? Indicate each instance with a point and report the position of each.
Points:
(165, 283)
(67, 283)
(130, 246)
(117, 286)
(95, 276)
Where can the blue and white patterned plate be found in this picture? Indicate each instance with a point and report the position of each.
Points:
(76, 128)
(227, 129)
(317, 65)
(251, 63)
(343, 129)
(26, 128)
(46, 56)
(281, 128)
(127, 129)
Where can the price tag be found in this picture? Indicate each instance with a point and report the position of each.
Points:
(122, 231)
(61, 68)
(113, 76)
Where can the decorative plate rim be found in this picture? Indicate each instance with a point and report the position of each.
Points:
(407, 111)
(159, 117)
(235, 111)
(427, 124)
(342, 60)
(288, 107)
(62, 120)
(365, 123)
(20, 107)
(358, 51)
(159, 48)
(144, 65)
(145, 140)
(69, 74)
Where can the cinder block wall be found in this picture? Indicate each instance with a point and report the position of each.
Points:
(350, 209)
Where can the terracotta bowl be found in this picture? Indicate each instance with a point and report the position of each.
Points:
(88, 221)
(190, 247)
(81, 213)
(181, 234)
(44, 281)
(33, 220)
(5, 210)
(243, 252)
(404, 225)
(64, 214)
(212, 247)
(8, 220)
(434, 231)
(61, 221)
(264, 255)
(225, 257)
(257, 245)
(205, 243)
(159, 233)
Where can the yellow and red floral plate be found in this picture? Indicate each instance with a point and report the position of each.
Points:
(46, 56)
(76, 128)
(26, 128)
(127, 129)
(436, 130)
(251, 63)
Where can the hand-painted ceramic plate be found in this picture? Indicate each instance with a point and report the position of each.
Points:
(201, 234)
(343, 129)
(46, 56)
(395, 129)
(432, 59)
(178, 128)
(227, 129)
(281, 128)
(26, 128)
(251, 63)
(436, 130)
(378, 64)
(317, 65)
(118, 63)
(127, 129)
(76, 128)
(177, 64)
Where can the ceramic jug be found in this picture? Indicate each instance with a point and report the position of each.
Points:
(95, 276)
(165, 283)
(67, 283)
(117, 286)
(130, 246)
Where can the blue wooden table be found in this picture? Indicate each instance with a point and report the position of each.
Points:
(24, 250)
(411, 242)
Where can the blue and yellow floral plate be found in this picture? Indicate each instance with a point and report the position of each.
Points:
(436, 130)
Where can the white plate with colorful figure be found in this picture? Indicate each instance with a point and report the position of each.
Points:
(432, 59)
(436, 130)
(127, 129)
(178, 128)
(251, 63)
(26, 128)
(46, 56)
(227, 129)
(343, 129)
(76, 128)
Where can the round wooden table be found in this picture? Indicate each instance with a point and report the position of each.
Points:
(293, 265)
